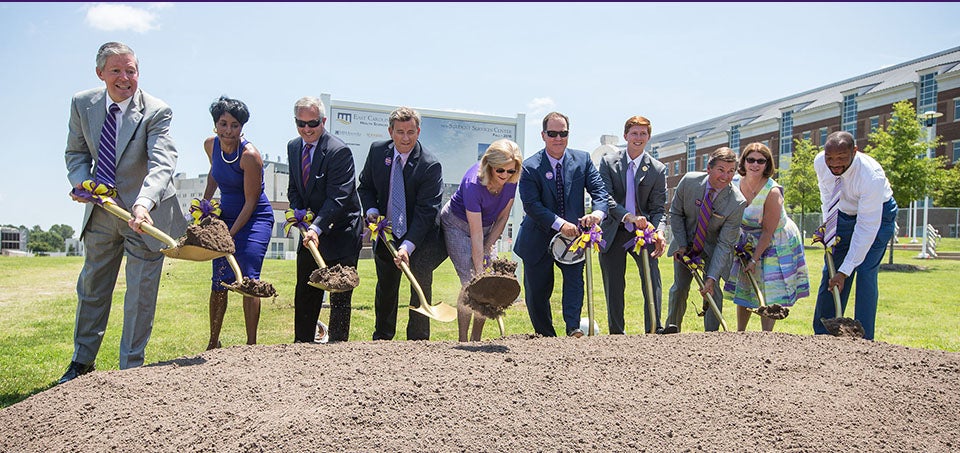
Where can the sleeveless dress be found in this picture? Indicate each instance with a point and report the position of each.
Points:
(252, 240)
(781, 272)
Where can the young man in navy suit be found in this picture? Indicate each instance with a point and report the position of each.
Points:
(552, 188)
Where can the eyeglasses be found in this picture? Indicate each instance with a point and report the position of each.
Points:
(302, 123)
(554, 134)
(753, 160)
(501, 170)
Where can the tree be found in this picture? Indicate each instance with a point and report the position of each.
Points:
(947, 192)
(44, 241)
(63, 230)
(901, 149)
(801, 192)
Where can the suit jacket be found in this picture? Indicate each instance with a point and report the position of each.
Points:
(651, 192)
(723, 228)
(146, 156)
(331, 194)
(423, 186)
(539, 196)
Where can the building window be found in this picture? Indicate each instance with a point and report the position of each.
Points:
(823, 136)
(806, 135)
(691, 154)
(706, 160)
(676, 168)
(848, 122)
(956, 151)
(928, 92)
(956, 109)
(735, 138)
(655, 152)
(786, 134)
(874, 123)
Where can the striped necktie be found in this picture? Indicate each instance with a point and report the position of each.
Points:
(833, 210)
(305, 164)
(560, 202)
(706, 208)
(397, 209)
(107, 156)
(631, 201)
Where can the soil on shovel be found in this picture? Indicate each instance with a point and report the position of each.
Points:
(493, 291)
(844, 327)
(256, 288)
(774, 311)
(337, 277)
(211, 234)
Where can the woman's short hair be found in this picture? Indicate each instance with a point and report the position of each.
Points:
(503, 153)
(234, 107)
(756, 147)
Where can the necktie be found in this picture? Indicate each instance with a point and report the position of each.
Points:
(631, 201)
(706, 208)
(107, 156)
(833, 210)
(305, 164)
(558, 176)
(398, 200)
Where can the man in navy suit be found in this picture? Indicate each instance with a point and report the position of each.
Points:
(323, 182)
(402, 166)
(552, 191)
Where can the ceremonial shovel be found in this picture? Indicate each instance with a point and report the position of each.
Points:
(696, 275)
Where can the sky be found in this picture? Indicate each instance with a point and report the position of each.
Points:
(598, 63)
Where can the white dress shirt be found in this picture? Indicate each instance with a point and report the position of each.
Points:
(864, 191)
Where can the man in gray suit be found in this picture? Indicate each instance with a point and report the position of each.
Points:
(636, 200)
(119, 135)
(714, 244)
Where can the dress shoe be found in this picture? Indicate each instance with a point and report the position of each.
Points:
(322, 335)
(671, 328)
(575, 333)
(75, 370)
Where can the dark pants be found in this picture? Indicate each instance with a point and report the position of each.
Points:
(866, 273)
(423, 261)
(308, 300)
(538, 285)
(613, 267)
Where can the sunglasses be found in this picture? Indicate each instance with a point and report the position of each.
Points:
(554, 134)
(753, 160)
(501, 170)
(302, 123)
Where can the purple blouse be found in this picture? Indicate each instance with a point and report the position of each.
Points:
(474, 197)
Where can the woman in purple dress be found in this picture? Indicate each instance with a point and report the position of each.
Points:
(475, 216)
(236, 168)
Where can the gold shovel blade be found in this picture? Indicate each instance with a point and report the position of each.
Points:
(192, 253)
(441, 311)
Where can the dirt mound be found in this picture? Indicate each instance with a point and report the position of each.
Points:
(211, 234)
(336, 277)
(700, 391)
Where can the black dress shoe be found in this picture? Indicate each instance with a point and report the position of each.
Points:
(75, 370)
(671, 328)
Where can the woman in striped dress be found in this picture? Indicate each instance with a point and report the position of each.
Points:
(777, 261)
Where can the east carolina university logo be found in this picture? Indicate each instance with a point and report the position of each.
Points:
(344, 118)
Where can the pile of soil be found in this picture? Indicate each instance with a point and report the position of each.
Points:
(336, 277)
(211, 234)
(494, 290)
(718, 391)
(256, 288)
(844, 327)
(775, 311)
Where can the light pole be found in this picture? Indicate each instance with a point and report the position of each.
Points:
(930, 121)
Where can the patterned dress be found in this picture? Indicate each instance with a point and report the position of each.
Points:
(782, 270)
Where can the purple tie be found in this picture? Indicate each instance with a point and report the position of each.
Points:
(305, 165)
(631, 201)
(107, 156)
(559, 178)
(706, 208)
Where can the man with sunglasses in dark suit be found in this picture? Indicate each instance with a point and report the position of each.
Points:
(322, 180)
(637, 184)
(403, 181)
(552, 186)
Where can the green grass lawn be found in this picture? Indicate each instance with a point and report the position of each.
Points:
(38, 304)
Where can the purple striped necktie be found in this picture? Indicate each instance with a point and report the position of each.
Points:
(631, 202)
(833, 210)
(107, 155)
(706, 208)
(305, 164)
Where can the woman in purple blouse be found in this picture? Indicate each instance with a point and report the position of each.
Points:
(475, 216)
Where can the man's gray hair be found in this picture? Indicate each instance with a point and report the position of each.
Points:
(114, 48)
(310, 102)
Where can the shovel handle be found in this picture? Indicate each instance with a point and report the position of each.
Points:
(408, 273)
(753, 282)
(313, 250)
(589, 272)
(713, 305)
(236, 268)
(831, 271)
(648, 290)
(146, 227)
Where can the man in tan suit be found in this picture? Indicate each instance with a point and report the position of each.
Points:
(119, 135)
(716, 242)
